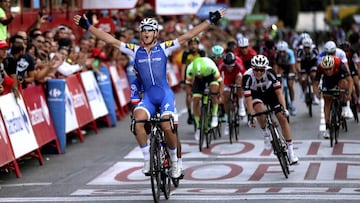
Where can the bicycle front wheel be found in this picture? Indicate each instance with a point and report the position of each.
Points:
(279, 151)
(165, 174)
(155, 169)
(203, 126)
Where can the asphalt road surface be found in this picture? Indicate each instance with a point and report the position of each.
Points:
(107, 168)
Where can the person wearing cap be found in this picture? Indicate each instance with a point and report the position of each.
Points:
(246, 52)
(150, 66)
(188, 56)
(6, 82)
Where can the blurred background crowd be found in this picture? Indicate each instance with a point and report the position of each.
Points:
(45, 44)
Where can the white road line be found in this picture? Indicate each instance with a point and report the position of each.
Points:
(196, 197)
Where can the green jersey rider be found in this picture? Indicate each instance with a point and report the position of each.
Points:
(200, 73)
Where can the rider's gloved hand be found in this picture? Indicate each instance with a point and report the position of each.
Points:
(251, 121)
(84, 22)
(214, 17)
(286, 112)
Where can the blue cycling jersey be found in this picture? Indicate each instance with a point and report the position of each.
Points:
(151, 69)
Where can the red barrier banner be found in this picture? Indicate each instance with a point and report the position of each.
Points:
(79, 100)
(6, 154)
(40, 118)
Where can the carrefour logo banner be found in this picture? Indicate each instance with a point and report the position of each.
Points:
(18, 125)
(166, 7)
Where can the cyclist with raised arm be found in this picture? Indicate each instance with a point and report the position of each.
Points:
(306, 64)
(150, 65)
(231, 69)
(331, 49)
(188, 56)
(136, 94)
(333, 73)
(284, 65)
(261, 88)
(203, 72)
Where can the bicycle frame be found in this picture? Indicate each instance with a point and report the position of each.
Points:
(309, 96)
(205, 118)
(160, 163)
(277, 140)
(336, 120)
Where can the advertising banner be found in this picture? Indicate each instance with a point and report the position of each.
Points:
(105, 86)
(55, 94)
(18, 125)
(93, 93)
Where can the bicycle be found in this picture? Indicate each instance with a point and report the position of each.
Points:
(233, 114)
(206, 131)
(160, 163)
(278, 142)
(286, 90)
(336, 119)
(309, 95)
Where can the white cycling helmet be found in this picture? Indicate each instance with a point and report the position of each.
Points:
(327, 62)
(330, 47)
(304, 35)
(149, 24)
(307, 42)
(243, 42)
(259, 61)
(282, 46)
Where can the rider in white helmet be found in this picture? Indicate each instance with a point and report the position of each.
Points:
(330, 48)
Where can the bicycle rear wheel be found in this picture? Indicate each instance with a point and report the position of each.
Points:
(155, 169)
(279, 151)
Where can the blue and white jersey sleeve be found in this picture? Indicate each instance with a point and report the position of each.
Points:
(342, 55)
(169, 46)
(129, 49)
(291, 56)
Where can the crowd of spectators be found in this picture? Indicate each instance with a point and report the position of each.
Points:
(36, 55)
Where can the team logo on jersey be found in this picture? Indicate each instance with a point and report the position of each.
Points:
(130, 46)
(169, 43)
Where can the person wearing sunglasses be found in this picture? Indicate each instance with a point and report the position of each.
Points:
(284, 66)
(245, 51)
(150, 65)
(231, 69)
(200, 73)
(262, 88)
(188, 56)
(331, 49)
(333, 73)
(306, 64)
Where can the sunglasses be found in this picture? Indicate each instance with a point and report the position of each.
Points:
(259, 70)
